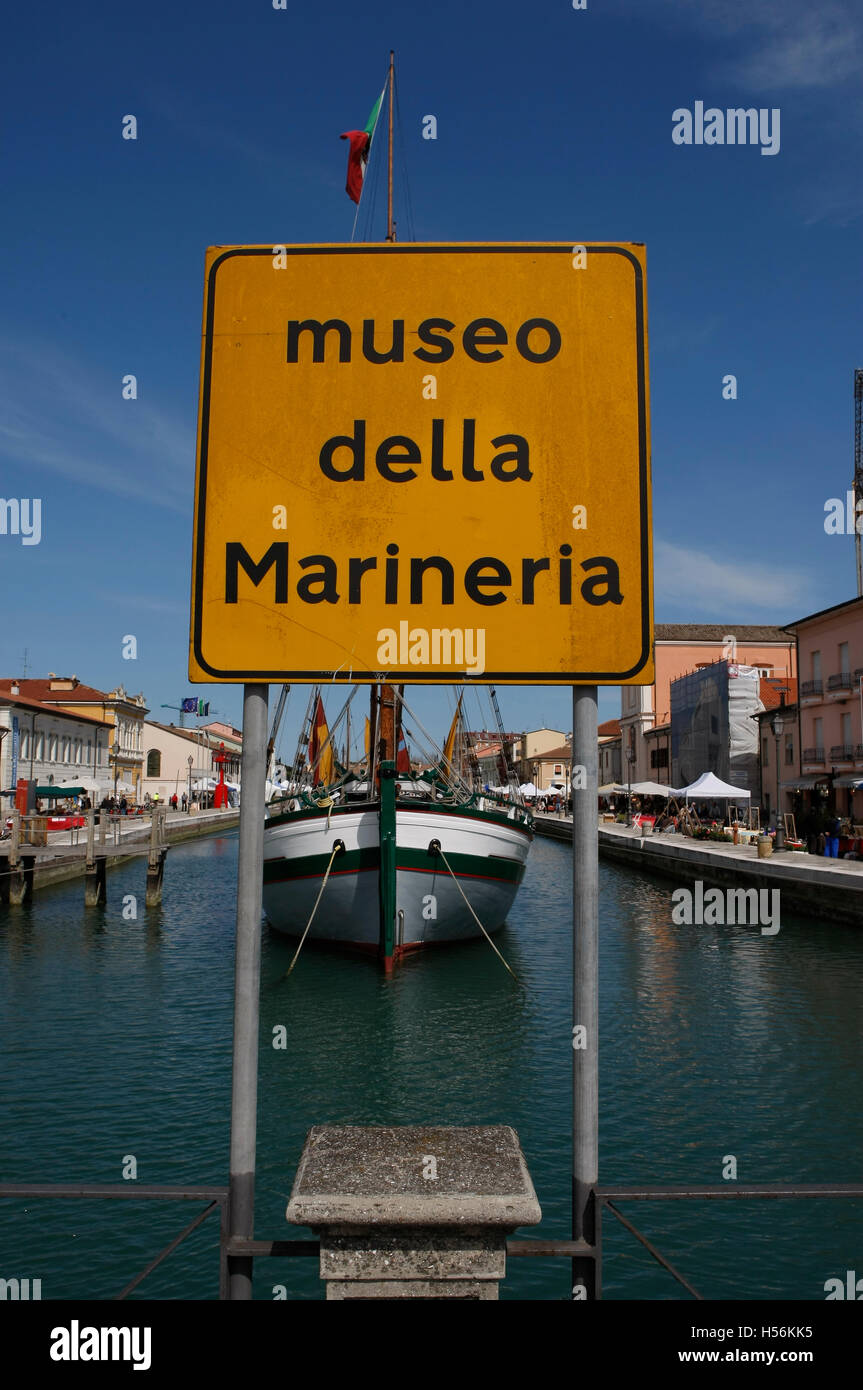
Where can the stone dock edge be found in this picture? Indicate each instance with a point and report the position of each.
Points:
(831, 889)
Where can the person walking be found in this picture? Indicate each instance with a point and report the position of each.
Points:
(184, 802)
(831, 838)
(174, 802)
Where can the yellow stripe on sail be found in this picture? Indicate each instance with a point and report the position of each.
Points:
(449, 746)
(326, 766)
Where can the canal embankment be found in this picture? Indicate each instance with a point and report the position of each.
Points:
(64, 857)
(810, 884)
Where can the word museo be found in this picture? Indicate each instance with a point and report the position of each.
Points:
(718, 908)
(732, 127)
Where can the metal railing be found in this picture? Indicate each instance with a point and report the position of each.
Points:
(813, 755)
(215, 1197)
(841, 681)
(246, 1249)
(842, 753)
(809, 688)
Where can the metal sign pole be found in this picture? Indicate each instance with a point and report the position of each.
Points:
(247, 983)
(585, 992)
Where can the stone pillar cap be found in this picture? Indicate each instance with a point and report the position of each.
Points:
(359, 1175)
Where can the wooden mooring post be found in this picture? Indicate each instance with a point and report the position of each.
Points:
(20, 878)
(156, 859)
(94, 872)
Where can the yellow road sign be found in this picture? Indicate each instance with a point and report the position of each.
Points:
(423, 462)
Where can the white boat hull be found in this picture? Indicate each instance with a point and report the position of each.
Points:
(486, 853)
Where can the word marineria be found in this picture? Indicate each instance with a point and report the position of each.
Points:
(486, 580)
(735, 126)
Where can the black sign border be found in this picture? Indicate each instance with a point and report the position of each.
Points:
(410, 677)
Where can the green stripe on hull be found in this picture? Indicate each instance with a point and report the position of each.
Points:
(410, 860)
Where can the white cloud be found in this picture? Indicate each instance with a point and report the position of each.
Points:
(712, 587)
(778, 44)
(58, 415)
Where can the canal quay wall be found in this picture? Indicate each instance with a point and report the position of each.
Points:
(60, 867)
(818, 887)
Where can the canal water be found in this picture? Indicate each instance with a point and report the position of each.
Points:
(716, 1042)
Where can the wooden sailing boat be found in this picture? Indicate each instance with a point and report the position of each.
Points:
(393, 862)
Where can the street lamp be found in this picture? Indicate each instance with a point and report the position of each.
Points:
(115, 756)
(630, 759)
(190, 761)
(777, 724)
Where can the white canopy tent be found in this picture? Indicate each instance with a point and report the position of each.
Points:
(708, 785)
(654, 789)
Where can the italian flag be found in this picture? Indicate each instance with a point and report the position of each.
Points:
(358, 151)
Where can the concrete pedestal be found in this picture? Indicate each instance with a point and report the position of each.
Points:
(414, 1212)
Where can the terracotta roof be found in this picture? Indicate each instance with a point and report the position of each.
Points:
(19, 701)
(772, 689)
(609, 729)
(716, 632)
(41, 690)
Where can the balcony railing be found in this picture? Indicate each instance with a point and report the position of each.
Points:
(858, 753)
(841, 681)
(842, 753)
(813, 755)
(811, 688)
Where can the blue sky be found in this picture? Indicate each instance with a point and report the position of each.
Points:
(553, 124)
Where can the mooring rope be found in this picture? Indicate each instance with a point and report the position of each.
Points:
(435, 847)
(338, 846)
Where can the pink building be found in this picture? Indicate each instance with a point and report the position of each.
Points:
(830, 654)
(680, 649)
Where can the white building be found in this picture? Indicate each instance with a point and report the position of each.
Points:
(176, 760)
(50, 747)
